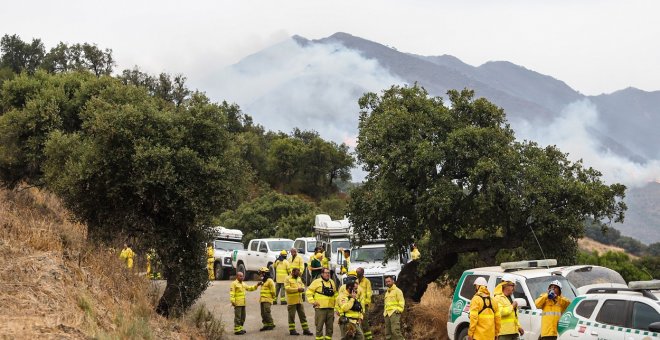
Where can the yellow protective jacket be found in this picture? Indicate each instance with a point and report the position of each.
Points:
(394, 301)
(509, 323)
(415, 254)
(281, 270)
(484, 316)
(297, 262)
(237, 292)
(127, 255)
(346, 265)
(552, 310)
(293, 296)
(325, 263)
(365, 286)
(209, 255)
(267, 292)
(345, 303)
(314, 293)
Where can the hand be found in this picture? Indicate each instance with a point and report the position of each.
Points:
(551, 295)
(514, 304)
(233, 304)
(316, 305)
(260, 284)
(354, 294)
(469, 338)
(301, 289)
(521, 331)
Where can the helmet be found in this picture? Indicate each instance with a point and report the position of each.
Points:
(480, 281)
(264, 270)
(556, 283)
(283, 252)
(319, 256)
(509, 278)
(352, 273)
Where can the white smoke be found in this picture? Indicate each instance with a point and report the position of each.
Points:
(570, 132)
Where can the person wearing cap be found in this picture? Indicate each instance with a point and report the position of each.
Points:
(237, 298)
(294, 291)
(365, 287)
(503, 294)
(281, 266)
(394, 304)
(484, 313)
(415, 253)
(552, 305)
(322, 294)
(266, 297)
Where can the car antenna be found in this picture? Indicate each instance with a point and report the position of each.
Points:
(529, 223)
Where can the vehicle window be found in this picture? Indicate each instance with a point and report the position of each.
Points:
(589, 275)
(644, 315)
(263, 248)
(613, 312)
(298, 244)
(311, 245)
(368, 255)
(226, 245)
(586, 308)
(539, 285)
(518, 292)
(467, 291)
(254, 246)
(280, 245)
(340, 244)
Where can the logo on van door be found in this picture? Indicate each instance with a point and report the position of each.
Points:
(458, 307)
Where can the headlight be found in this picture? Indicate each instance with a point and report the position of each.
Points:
(228, 260)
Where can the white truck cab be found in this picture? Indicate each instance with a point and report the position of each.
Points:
(332, 235)
(260, 253)
(225, 242)
(305, 247)
(371, 257)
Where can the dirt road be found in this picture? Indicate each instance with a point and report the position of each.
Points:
(216, 299)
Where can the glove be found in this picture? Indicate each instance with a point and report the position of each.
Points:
(552, 295)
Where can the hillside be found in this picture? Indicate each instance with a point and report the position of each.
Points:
(57, 285)
(589, 245)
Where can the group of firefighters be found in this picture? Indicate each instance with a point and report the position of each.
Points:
(349, 303)
(496, 317)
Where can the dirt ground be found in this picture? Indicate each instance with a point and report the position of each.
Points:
(216, 299)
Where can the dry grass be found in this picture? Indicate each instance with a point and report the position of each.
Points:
(591, 245)
(429, 316)
(54, 284)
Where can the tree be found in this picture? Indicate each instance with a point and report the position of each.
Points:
(456, 175)
(20, 56)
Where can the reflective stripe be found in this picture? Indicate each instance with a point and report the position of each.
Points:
(551, 313)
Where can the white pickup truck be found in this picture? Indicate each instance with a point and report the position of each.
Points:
(260, 253)
(371, 257)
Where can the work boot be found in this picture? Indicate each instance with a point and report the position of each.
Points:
(242, 331)
(264, 328)
(283, 303)
(274, 303)
(293, 332)
(307, 332)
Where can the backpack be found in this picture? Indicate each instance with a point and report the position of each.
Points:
(487, 304)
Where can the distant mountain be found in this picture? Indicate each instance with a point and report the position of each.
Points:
(628, 124)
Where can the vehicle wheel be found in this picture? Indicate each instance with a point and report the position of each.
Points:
(241, 269)
(463, 334)
(218, 271)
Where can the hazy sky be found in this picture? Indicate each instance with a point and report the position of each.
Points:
(595, 46)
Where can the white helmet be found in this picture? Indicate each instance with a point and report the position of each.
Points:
(509, 278)
(556, 283)
(480, 281)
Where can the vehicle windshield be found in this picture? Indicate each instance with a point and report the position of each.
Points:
(311, 245)
(226, 245)
(589, 275)
(340, 244)
(280, 245)
(539, 285)
(368, 254)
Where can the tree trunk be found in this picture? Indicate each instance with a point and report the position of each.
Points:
(414, 284)
(170, 303)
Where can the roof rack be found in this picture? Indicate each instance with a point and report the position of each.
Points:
(326, 228)
(613, 290)
(528, 264)
(222, 233)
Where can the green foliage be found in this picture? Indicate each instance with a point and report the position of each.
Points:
(20, 56)
(457, 174)
(272, 214)
(611, 236)
(620, 262)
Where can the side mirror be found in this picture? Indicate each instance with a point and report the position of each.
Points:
(522, 303)
(301, 251)
(263, 250)
(655, 327)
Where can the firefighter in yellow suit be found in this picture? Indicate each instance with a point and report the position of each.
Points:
(281, 266)
(294, 291)
(553, 305)
(322, 294)
(266, 297)
(209, 261)
(484, 313)
(365, 287)
(350, 308)
(237, 298)
(394, 304)
(127, 256)
(509, 325)
(415, 253)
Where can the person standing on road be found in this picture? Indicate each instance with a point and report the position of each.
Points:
(484, 313)
(349, 306)
(209, 261)
(237, 298)
(294, 289)
(509, 325)
(394, 304)
(127, 256)
(553, 305)
(281, 266)
(365, 287)
(266, 297)
(322, 294)
(315, 265)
